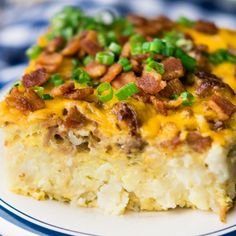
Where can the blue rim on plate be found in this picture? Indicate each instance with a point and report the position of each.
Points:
(44, 230)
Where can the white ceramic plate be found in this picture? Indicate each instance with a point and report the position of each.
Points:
(53, 218)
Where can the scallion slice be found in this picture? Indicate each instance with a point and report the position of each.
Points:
(184, 21)
(46, 97)
(33, 52)
(114, 47)
(104, 92)
(187, 98)
(127, 91)
(39, 90)
(127, 66)
(106, 58)
(80, 76)
(56, 80)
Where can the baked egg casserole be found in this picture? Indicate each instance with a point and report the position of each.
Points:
(125, 113)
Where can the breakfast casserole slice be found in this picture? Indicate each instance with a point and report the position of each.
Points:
(126, 114)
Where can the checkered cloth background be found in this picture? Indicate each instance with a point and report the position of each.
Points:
(20, 24)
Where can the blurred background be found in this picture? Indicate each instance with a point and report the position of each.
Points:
(22, 21)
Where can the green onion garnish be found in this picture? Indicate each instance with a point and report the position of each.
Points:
(102, 39)
(106, 58)
(156, 66)
(87, 60)
(56, 80)
(185, 44)
(182, 20)
(137, 38)
(33, 52)
(127, 91)
(173, 36)
(222, 55)
(116, 48)
(136, 48)
(80, 76)
(104, 92)
(75, 62)
(39, 90)
(188, 62)
(188, 99)
(127, 66)
(168, 49)
(46, 97)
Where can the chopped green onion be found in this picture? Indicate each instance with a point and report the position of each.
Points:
(104, 92)
(106, 58)
(17, 83)
(169, 49)
(87, 60)
(188, 99)
(46, 97)
(80, 76)
(137, 38)
(102, 39)
(174, 96)
(182, 20)
(136, 48)
(127, 91)
(156, 45)
(188, 62)
(75, 62)
(128, 29)
(39, 90)
(33, 52)
(185, 44)
(173, 36)
(222, 55)
(116, 48)
(67, 33)
(56, 80)
(111, 36)
(156, 66)
(127, 66)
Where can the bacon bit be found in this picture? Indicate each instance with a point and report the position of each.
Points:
(173, 143)
(137, 68)
(89, 43)
(79, 94)
(125, 50)
(25, 101)
(95, 70)
(127, 114)
(173, 68)
(55, 44)
(210, 82)
(173, 87)
(35, 78)
(51, 62)
(142, 97)
(112, 72)
(123, 79)
(222, 106)
(159, 105)
(62, 89)
(75, 119)
(136, 19)
(72, 47)
(205, 27)
(197, 142)
(151, 83)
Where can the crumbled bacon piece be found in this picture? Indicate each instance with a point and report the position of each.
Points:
(62, 89)
(55, 44)
(222, 106)
(136, 67)
(79, 94)
(151, 83)
(89, 43)
(72, 47)
(75, 119)
(205, 27)
(50, 61)
(159, 105)
(27, 100)
(125, 50)
(142, 97)
(209, 82)
(173, 87)
(127, 114)
(35, 78)
(136, 19)
(173, 68)
(95, 70)
(197, 142)
(112, 72)
(123, 79)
